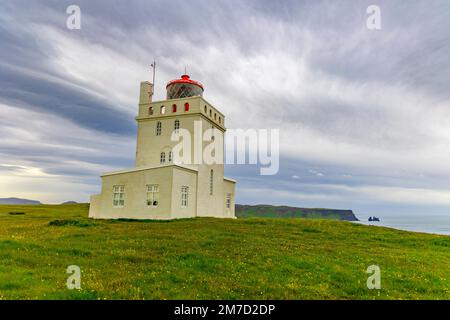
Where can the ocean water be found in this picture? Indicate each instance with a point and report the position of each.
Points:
(438, 223)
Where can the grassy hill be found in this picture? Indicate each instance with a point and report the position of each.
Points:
(251, 258)
(15, 201)
(269, 211)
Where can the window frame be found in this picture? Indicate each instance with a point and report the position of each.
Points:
(119, 201)
(162, 157)
(211, 182)
(228, 201)
(184, 196)
(153, 193)
(158, 128)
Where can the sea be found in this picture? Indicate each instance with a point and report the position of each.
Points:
(430, 223)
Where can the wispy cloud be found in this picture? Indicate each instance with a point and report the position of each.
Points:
(365, 112)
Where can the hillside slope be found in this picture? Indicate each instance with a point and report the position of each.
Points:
(18, 201)
(269, 211)
(247, 258)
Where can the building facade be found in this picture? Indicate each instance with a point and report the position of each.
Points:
(171, 179)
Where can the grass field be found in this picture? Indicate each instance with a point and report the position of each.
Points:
(213, 259)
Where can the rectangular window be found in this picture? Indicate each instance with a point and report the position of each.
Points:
(162, 158)
(152, 195)
(158, 128)
(211, 183)
(184, 196)
(228, 200)
(118, 196)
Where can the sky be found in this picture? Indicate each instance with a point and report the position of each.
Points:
(363, 114)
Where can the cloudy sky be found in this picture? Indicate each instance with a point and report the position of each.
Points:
(364, 115)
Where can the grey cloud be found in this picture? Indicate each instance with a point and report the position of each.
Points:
(38, 94)
(248, 55)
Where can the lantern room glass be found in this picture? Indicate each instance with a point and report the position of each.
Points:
(183, 90)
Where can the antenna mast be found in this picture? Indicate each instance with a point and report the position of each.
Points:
(153, 65)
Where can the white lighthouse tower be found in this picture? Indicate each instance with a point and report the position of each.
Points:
(161, 186)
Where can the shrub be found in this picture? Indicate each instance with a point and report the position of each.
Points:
(75, 223)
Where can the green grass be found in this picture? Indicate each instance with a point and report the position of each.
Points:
(254, 258)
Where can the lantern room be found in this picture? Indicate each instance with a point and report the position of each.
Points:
(183, 88)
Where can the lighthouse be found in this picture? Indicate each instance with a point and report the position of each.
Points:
(160, 186)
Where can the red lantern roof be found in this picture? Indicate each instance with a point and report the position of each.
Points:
(185, 79)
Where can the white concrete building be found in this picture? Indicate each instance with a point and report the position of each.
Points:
(166, 184)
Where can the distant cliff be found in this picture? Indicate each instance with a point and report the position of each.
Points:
(17, 201)
(268, 211)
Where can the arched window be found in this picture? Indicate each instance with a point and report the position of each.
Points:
(158, 128)
(210, 113)
(163, 109)
(211, 179)
(186, 106)
(176, 126)
(215, 116)
(206, 110)
(220, 119)
(162, 158)
(150, 111)
(174, 108)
